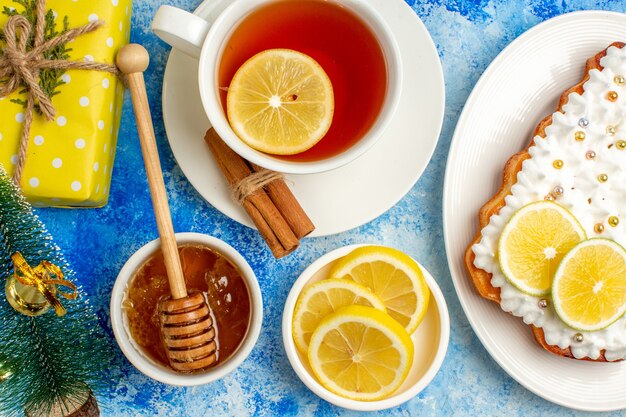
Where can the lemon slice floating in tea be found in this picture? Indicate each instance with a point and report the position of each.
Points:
(360, 353)
(393, 276)
(322, 298)
(280, 102)
(589, 289)
(533, 243)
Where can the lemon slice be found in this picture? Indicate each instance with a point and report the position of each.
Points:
(280, 101)
(533, 243)
(589, 289)
(360, 353)
(321, 298)
(393, 276)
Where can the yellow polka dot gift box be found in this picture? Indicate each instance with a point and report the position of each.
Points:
(60, 100)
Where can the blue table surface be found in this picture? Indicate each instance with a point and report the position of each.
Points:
(468, 35)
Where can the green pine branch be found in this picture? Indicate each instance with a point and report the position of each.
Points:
(50, 360)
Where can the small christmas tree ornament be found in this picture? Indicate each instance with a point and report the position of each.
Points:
(32, 291)
(25, 299)
(49, 364)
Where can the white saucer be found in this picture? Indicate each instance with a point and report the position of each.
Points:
(349, 196)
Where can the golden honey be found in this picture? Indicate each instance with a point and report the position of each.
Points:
(206, 271)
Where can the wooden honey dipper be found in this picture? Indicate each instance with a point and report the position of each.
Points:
(186, 326)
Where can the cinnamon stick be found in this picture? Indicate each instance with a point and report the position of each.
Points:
(287, 204)
(261, 209)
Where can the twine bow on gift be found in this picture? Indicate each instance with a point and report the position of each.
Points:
(22, 59)
(44, 277)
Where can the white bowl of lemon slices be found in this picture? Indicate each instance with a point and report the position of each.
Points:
(366, 327)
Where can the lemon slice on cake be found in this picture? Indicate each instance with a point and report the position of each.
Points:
(393, 276)
(280, 101)
(533, 243)
(322, 298)
(589, 289)
(360, 353)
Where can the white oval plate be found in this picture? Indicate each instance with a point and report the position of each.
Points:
(346, 197)
(519, 88)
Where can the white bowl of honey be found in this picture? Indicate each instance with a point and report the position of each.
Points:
(210, 266)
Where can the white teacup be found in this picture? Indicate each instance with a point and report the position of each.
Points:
(206, 39)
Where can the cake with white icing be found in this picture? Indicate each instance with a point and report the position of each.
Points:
(577, 158)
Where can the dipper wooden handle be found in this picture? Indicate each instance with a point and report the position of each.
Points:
(187, 328)
(133, 60)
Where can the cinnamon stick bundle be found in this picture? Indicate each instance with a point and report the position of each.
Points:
(276, 213)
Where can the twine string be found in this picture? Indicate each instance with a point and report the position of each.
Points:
(254, 182)
(20, 68)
